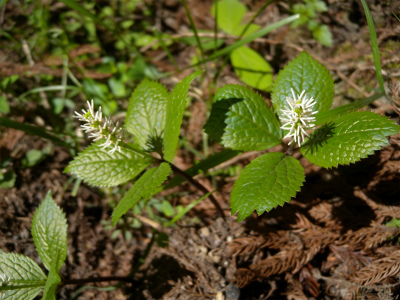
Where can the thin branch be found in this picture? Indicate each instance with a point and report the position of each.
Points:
(197, 185)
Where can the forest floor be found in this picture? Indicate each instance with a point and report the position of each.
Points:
(337, 239)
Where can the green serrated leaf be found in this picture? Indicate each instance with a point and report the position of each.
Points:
(146, 113)
(230, 15)
(49, 232)
(348, 139)
(241, 120)
(303, 73)
(52, 282)
(100, 168)
(268, 181)
(142, 189)
(175, 108)
(20, 277)
(252, 68)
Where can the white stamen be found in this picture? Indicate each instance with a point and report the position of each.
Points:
(298, 116)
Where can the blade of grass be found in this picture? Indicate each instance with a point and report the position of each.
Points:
(254, 17)
(215, 26)
(194, 29)
(396, 16)
(48, 89)
(374, 45)
(165, 48)
(185, 210)
(32, 130)
(240, 36)
(248, 39)
(335, 113)
(3, 2)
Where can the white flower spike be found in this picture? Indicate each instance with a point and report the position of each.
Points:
(298, 116)
(99, 130)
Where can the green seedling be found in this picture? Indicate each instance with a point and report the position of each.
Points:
(308, 14)
(302, 96)
(20, 276)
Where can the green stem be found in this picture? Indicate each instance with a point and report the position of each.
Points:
(196, 184)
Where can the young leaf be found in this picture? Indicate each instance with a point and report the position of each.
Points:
(268, 181)
(142, 189)
(145, 117)
(52, 282)
(175, 108)
(323, 35)
(49, 231)
(230, 15)
(252, 68)
(303, 73)
(100, 168)
(20, 277)
(241, 120)
(348, 139)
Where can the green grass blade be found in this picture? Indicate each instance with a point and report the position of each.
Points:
(249, 39)
(398, 19)
(374, 45)
(215, 26)
(335, 113)
(194, 29)
(253, 18)
(29, 129)
(185, 210)
(48, 89)
(3, 2)
(165, 48)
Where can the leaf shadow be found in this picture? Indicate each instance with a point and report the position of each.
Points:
(215, 125)
(319, 137)
(154, 142)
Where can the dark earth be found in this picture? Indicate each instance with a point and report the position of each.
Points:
(335, 240)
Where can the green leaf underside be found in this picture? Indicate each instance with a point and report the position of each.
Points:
(241, 120)
(49, 232)
(143, 188)
(175, 109)
(268, 181)
(348, 139)
(303, 73)
(252, 68)
(52, 282)
(25, 278)
(100, 168)
(146, 113)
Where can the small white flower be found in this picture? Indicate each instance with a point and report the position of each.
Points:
(298, 116)
(99, 129)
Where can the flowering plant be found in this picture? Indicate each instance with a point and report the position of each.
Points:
(302, 96)
(301, 120)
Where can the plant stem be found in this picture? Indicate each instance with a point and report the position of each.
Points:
(196, 184)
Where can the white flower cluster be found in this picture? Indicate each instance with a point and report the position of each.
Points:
(298, 116)
(100, 130)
